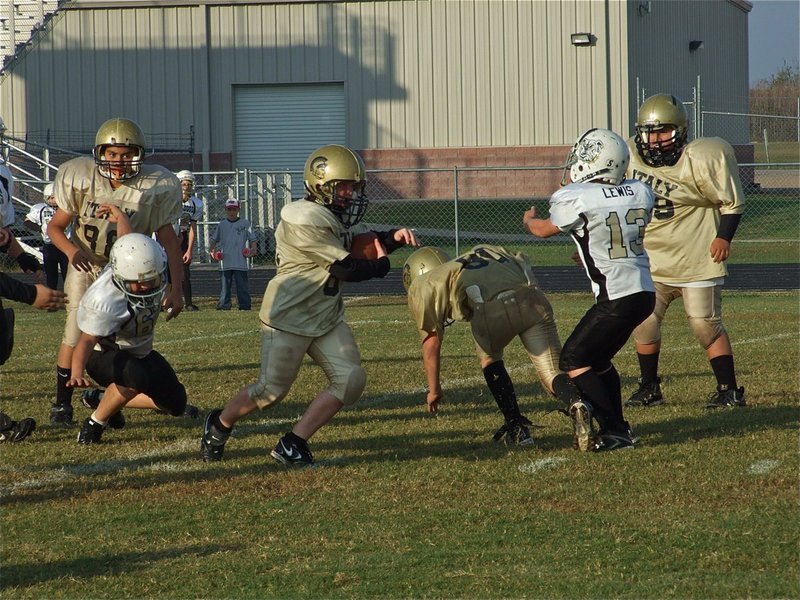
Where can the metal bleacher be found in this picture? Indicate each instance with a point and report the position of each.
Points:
(20, 20)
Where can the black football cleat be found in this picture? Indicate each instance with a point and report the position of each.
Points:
(648, 394)
(726, 398)
(292, 453)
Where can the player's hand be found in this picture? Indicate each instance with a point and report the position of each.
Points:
(173, 302)
(113, 214)
(720, 250)
(187, 257)
(5, 236)
(49, 300)
(528, 215)
(576, 258)
(433, 400)
(81, 260)
(406, 236)
(80, 382)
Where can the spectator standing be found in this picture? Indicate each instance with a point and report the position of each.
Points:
(232, 243)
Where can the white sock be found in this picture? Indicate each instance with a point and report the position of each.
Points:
(96, 420)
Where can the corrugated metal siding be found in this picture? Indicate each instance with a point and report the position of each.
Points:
(721, 64)
(416, 73)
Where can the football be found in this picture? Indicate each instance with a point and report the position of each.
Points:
(363, 246)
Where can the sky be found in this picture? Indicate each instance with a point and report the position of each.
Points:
(774, 37)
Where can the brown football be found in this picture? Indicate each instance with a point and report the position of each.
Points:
(363, 246)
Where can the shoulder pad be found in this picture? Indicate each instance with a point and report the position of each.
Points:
(305, 212)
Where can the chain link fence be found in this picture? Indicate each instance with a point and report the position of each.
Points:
(460, 207)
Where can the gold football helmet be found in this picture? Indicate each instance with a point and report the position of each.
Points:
(335, 177)
(661, 113)
(119, 132)
(421, 261)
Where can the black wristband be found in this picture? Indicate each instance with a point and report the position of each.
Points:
(727, 226)
(28, 262)
(387, 240)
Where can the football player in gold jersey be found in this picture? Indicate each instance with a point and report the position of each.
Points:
(496, 292)
(104, 198)
(699, 203)
(302, 311)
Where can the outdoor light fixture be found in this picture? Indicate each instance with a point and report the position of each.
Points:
(581, 39)
(695, 45)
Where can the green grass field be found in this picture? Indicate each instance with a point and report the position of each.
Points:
(402, 504)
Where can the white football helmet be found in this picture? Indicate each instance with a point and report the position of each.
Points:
(598, 154)
(138, 261)
(185, 175)
(48, 194)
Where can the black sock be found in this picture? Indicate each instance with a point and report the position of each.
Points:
(218, 424)
(648, 366)
(564, 389)
(594, 390)
(293, 437)
(63, 393)
(724, 372)
(610, 378)
(502, 388)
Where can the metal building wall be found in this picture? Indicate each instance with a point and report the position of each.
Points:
(417, 73)
(659, 33)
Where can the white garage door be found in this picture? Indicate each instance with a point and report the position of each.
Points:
(277, 126)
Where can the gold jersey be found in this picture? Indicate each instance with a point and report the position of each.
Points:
(452, 290)
(690, 197)
(151, 200)
(304, 298)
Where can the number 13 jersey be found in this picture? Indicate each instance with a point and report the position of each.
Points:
(607, 223)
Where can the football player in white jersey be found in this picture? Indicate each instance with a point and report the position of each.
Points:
(38, 218)
(186, 229)
(95, 196)
(496, 292)
(699, 203)
(8, 242)
(117, 317)
(606, 216)
(302, 311)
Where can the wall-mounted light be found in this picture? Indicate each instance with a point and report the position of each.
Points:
(582, 39)
(695, 45)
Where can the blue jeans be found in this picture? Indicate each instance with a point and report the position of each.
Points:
(229, 277)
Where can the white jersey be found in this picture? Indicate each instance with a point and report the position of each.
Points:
(40, 215)
(105, 312)
(7, 215)
(607, 223)
(191, 211)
